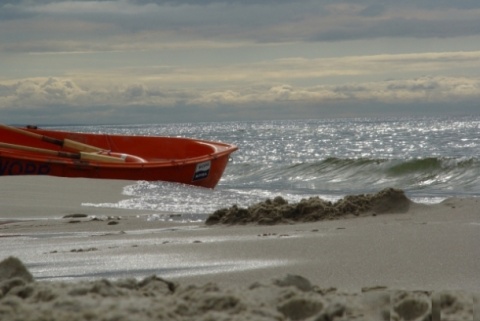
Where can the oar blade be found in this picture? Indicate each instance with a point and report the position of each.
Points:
(80, 147)
(92, 157)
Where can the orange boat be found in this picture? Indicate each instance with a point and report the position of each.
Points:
(32, 151)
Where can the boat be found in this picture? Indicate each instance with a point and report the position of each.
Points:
(34, 151)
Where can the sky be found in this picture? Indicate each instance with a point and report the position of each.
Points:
(141, 61)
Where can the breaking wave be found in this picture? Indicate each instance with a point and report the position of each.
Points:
(364, 174)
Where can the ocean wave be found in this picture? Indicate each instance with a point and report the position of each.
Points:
(424, 180)
(349, 174)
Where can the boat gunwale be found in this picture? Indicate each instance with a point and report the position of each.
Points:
(221, 149)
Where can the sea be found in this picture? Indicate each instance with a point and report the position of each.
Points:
(430, 158)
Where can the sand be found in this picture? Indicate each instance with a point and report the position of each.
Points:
(400, 262)
(25, 197)
(313, 209)
(153, 298)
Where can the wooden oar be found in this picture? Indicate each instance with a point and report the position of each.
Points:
(81, 155)
(106, 155)
(67, 143)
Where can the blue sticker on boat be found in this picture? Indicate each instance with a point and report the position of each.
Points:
(201, 171)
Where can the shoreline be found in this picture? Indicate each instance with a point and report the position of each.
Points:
(424, 248)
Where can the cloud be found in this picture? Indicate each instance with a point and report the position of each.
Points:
(125, 25)
(216, 58)
(299, 70)
(400, 27)
(63, 99)
(9, 11)
(287, 79)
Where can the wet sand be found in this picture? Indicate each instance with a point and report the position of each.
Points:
(402, 262)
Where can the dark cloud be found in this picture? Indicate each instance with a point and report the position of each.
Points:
(10, 11)
(373, 10)
(260, 21)
(432, 4)
(399, 27)
(372, 5)
(207, 2)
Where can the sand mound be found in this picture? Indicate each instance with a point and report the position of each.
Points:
(290, 298)
(313, 209)
(13, 268)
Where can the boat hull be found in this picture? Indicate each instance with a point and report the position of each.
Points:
(180, 160)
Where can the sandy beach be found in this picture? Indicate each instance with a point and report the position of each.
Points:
(416, 263)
